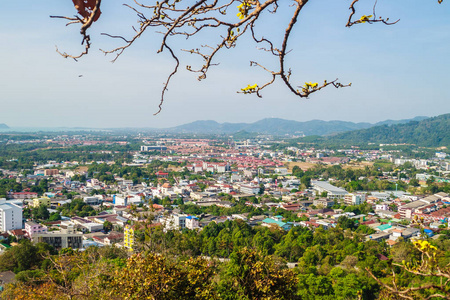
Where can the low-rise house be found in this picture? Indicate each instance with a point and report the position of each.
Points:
(161, 174)
(93, 227)
(382, 206)
(323, 203)
(386, 214)
(407, 210)
(378, 236)
(18, 233)
(242, 217)
(384, 227)
(277, 221)
(226, 204)
(23, 195)
(310, 224)
(198, 195)
(32, 228)
(113, 238)
(326, 223)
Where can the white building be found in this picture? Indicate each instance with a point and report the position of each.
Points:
(10, 216)
(126, 200)
(174, 222)
(221, 168)
(354, 199)
(282, 171)
(441, 155)
(153, 148)
(93, 227)
(192, 222)
(61, 239)
(382, 206)
(332, 191)
(249, 189)
(34, 228)
(93, 200)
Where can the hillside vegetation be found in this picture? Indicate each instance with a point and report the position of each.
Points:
(432, 132)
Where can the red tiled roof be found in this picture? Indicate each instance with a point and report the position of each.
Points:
(17, 232)
(24, 193)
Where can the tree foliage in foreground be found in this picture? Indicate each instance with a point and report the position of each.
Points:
(94, 275)
(331, 264)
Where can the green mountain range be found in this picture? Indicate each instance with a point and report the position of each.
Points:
(431, 132)
(276, 126)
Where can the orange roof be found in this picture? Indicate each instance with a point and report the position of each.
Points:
(391, 242)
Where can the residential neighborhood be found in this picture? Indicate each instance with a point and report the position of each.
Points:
(179, 183)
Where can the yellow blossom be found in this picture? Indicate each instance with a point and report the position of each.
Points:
(243, 8)
(424, 246)
(250, 88)
(365, 18)
(310, 85)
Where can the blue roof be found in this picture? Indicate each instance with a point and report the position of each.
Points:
(384, 226)
(279, 223)
(272, 221)
(429, 232)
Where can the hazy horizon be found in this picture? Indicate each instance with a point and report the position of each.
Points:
(32, 128)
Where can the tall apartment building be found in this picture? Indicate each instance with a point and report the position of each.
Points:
(10, 216)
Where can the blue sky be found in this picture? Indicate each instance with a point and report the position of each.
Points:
(397, 72)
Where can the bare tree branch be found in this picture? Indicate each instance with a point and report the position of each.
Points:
(182, 18)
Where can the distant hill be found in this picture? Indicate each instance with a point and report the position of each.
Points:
(431, 132)
(277, 126)
(393, 122)
(3, 126)
(209, 127)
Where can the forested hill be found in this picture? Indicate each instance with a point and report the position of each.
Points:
(278, 126)
(432, 132)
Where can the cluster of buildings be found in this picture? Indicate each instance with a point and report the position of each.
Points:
(391, 210)
(238, 170)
